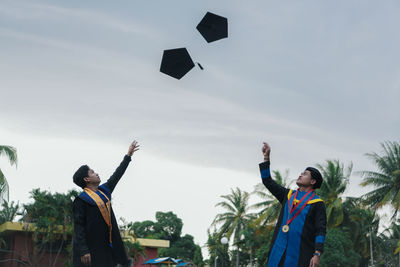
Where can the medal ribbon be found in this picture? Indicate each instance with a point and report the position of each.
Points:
(291, 208)
(105, 210)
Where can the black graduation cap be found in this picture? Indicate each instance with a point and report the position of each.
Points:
(213, 27)
(176, 62)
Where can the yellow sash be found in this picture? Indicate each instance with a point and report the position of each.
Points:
(105, 210)
(309, 202)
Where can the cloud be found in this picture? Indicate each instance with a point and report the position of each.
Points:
(26, 10)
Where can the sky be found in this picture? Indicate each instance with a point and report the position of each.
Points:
(80, 80)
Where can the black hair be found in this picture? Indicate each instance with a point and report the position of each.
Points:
(81, 173)
(316, 175)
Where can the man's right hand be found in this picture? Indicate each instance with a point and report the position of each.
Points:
(133, 148)
(85, 259)
(266, 150)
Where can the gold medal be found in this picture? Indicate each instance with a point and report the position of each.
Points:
(285, 228)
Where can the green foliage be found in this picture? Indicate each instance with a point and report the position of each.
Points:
(270, 206)
(146, 229)
(52, 216)
(50, 210)
(168, 226)
(198, 257)
(359, 223)
(135, 250)
(338, 251)
(386, 179)
(9, 211)
(262, 254)
(10, 153)
(182, 248)
(132, 247)
(236, 217)
(217, 251)
(387, 242)
(336, 179)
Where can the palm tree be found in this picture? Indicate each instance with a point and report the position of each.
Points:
(270, 206)
(336, 179)
(11, 153)
(217, 250)
(361, 224)
(390, 238)
(9, 211)
(386, 179)
(237, 216)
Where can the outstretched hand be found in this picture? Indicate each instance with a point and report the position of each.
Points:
(266, 150)
(133, 148)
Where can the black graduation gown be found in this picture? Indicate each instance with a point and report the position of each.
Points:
(307, 231)
(91, 233)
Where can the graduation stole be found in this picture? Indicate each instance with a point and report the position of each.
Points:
(105, 209)
(295, 203)
(309, 202)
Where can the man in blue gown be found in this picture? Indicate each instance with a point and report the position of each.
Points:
(299, 234)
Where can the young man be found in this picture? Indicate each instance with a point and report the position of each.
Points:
(299, 234)
(97, 241)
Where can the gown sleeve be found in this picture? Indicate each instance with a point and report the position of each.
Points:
(320, 226)
(276, 189)
(79, 227)
(113, 180)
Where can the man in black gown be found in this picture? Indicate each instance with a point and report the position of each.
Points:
(97, 241)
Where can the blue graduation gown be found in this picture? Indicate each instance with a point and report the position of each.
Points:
(307, 230)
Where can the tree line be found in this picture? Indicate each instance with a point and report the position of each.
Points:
(355, 234)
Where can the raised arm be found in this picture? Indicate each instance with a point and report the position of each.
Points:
(276, 189)
(113, 180)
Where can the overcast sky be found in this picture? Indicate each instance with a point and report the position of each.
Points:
(79, 80)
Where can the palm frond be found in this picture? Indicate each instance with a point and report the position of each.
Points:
(11, 153)
(4, 188)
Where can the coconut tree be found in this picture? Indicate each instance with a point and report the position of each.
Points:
(236, 217)
(336, 178)
(270, 206)
(390, 238)
(386, 180)
(10, 153)
(361, 225)
(9, 211)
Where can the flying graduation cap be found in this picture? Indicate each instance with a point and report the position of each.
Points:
(177, 62)
(213, 27)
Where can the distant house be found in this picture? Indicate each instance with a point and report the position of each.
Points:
(19, 248)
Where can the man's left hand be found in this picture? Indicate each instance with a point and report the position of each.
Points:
(133, 148)
(314, 261)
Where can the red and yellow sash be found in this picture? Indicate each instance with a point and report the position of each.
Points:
(309, 202)
(105, 209)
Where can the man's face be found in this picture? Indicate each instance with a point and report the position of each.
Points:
(305, 179)
(93, 178)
